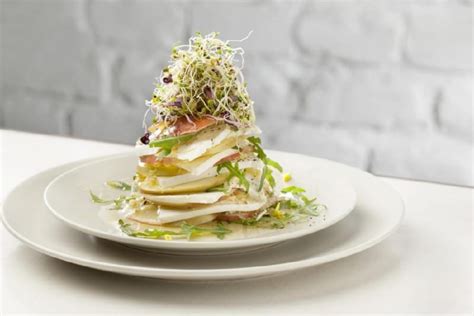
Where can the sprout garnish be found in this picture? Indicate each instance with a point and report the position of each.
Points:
(202, 80)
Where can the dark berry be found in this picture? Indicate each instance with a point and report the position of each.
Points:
(208, 93)
(178, 102)
(145, 138)
(168, 79)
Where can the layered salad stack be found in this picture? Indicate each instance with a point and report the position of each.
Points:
(201, 168)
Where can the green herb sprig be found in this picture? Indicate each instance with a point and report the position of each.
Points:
(147, 233)
(119, 185)
(293, 189)
(234, 171)
(268, 221)
(118, 202)
(192, 231)
(186, 231)
(220, 188)
(266, 172)
(167, 144)
(301, 203)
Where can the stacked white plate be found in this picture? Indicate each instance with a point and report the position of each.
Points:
(52, 213)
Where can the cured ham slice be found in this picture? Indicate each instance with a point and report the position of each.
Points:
(183, 125)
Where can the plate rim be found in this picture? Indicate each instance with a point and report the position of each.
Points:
(184, 245)
(206, 274)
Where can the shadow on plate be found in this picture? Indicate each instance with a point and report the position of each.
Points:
(342, 275)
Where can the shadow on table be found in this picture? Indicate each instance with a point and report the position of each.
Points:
(342, 275)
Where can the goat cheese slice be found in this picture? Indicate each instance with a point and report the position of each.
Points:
(169, 215)
(184, 199)
(203, 141)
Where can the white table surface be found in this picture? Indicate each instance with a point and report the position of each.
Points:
(426, 266)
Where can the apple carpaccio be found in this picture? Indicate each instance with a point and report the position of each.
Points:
(201, 169)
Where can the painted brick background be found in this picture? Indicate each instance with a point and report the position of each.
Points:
(380, 85)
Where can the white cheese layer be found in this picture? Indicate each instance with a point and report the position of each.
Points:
(203, 141)
(168, 182)
(169, 215)
(143, 150)
(207, 170)
(184, 199)
(209, 163)
(208, 139)
(252, 131)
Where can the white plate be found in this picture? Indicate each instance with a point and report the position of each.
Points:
(378, 213)
(68, 198)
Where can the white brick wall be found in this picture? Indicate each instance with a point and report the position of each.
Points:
(440, 36)
(425, 156)
(455, 114)
(331, 143)
(371, 97)
(30, 111)
(364, 32)
(380, 85)
(145, 25)
(121, 123)
(43, 48)
(271, 22)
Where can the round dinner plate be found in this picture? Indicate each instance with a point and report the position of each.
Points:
(68, 198)
(378, 212)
